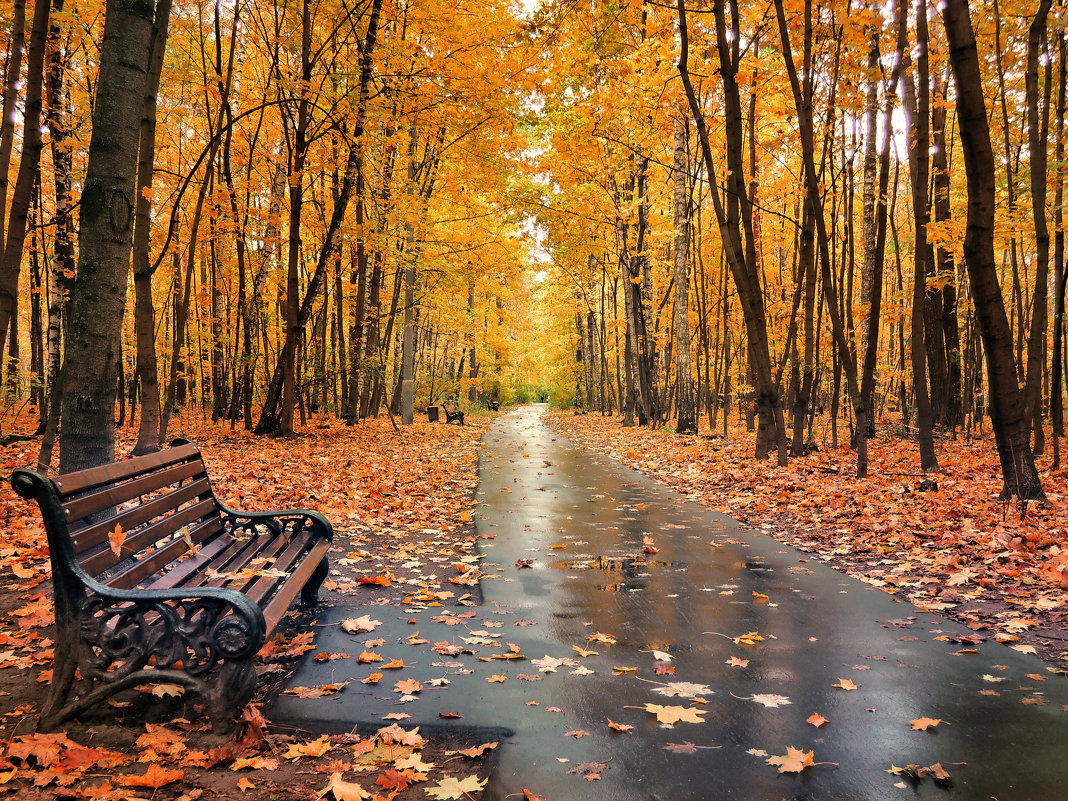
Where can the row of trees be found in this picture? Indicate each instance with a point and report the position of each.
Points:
(327, 206)
(773, 194)
(310, 201)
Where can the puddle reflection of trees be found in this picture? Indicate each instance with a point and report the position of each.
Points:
(632, 572)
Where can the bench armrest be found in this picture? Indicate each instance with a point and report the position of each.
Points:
(299, 518)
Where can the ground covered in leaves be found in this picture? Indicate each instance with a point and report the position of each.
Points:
(390, 495)
(943, 542)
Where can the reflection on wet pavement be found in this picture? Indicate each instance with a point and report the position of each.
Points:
(633, 606)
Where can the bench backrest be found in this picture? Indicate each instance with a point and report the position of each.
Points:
(156, 508)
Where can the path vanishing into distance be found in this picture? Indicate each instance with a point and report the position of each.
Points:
(715, 643)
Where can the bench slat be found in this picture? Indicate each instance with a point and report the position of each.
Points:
(160, 531)
(108, 498)
(261, 547)
(262, 588)
(143, 568)
(232, 557)
(84, 480)
(177, 575)
(130, 519)
(283, 599)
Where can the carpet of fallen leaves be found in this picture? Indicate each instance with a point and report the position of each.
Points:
(943, 542)
(389, 495)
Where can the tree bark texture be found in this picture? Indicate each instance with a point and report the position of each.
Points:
(105, 240)
(1007, 413)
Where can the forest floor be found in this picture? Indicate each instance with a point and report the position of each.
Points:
(394, 497)
(943, 541)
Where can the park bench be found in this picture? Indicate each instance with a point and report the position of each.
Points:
(155, 581)
(455, 416)
(494, 406)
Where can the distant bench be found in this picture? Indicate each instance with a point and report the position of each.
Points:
(455, 416)
(156, 581)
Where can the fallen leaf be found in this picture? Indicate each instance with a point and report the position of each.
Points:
(816, 719)
(316, 748)
(117, 537)
(343, 791)
(475, 751)
(922, 724)
(360, 625)
(793, 761)
(668, 716)
(773, 701)
(684, 689)
(451, 788)
(155, 777)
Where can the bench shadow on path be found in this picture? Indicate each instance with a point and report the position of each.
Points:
(585, 524)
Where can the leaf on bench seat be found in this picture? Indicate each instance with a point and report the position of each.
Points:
(117, 538)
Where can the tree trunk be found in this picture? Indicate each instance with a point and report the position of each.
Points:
(28, 174)
(947, 268)
(1007, 412)
(1037, 135)
(144, 314)
(803, 104)
(917, 114)
(408, 346)
(743, 268)
(872, 263)
(105, 240)
(1056, 397)
(17, 43)
(686, 420)
(288, 357)
(63, 262)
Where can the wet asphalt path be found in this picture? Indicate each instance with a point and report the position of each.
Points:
(584, 522)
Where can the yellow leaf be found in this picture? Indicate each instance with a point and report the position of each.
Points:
(344, 791)
(670, 715)
(316, 748)
(793, 761)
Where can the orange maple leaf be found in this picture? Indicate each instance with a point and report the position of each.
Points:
(155, 777)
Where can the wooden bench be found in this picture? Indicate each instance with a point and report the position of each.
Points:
(156, 581)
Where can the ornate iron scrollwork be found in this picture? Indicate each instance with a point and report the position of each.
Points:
(119, 638)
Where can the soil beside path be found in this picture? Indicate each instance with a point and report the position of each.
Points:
(950, 546)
